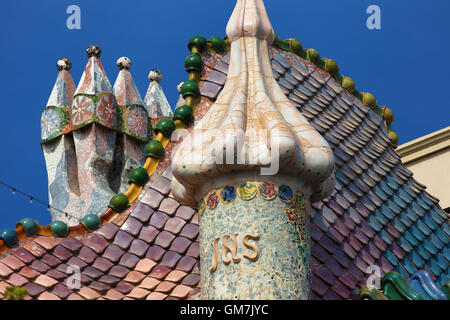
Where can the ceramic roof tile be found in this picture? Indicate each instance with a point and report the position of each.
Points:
(152, 198)
(118, 271)
(28, 273)
(109, 279)
(12, 262)
(129, 260)
(34, 289)
(164, 239)
(159, 219)
(40, 266)
(47, 242)
(108, 231)
(34, 248)
(5, 271)
(114, 295)
(142, 212)
(57, 275)
(123, 239)
(96, 243)
(181, 291)
(170, 259)
(191, 280)
(156, 296)
(48, 296)
(16, 280)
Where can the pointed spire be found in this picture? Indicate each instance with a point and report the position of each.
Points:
(250, 19)
(64, 87)
(94, 79)
(134, 114)
(251, 104)
(53, 117)
(155, 99)
(125, 88)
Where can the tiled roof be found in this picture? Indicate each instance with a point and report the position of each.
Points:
(149, 252)
(378, 213)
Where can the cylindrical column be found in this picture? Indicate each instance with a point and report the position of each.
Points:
(255, 243)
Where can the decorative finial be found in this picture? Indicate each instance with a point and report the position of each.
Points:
(93, 51)
(64, 64)
(249, 19)
(179, 86)
(123, 63)
(155, 75)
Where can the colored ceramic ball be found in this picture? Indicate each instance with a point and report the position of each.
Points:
(166, 127)
(9, 236)
(394, 138)
(199, 42)
(369, 100)
(190, 88)
(218, 44)
(29, 225)
(93, 51)
(59, 229)
(91, 222)
(388, 115)
(139, 176)
(348, 84)
(331, 66)
(312, 55)
(119, 203)
(295, 46)
(184, 113)
(123, 63)
(64, 64)
(155, 75)
(154, 149)
(193, 62)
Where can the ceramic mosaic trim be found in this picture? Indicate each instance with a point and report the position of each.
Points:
(247, 191)
(257, 248)
(53, 121)
(134, 122)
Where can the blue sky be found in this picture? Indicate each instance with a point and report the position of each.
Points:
(405, 64)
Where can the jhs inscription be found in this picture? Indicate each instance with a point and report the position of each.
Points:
(230, 247)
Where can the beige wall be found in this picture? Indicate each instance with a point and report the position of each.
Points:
(429, 159)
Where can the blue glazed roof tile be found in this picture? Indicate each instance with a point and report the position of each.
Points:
(433, 244)
(380, 193)
(429, 222)
(386, 213)
(390, 256)
(415, 258)
(422, 227)
(398, 225)
(399, 201)
(401, 271)
(436, 216)
(385, 236)
(417, 233)
(404, 244)
(374, 223)
(409, 267)
(410, 238)
(423, 252)
(441, 236)
(404, 195)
